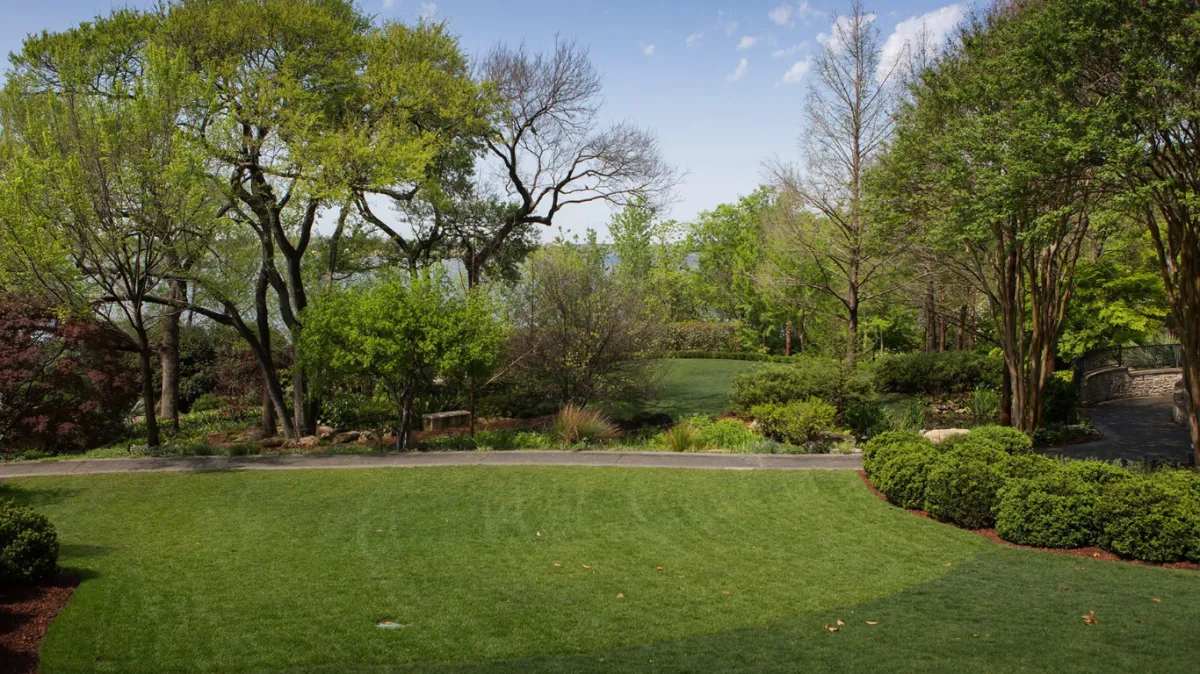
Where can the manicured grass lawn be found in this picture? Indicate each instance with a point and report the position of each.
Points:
(697, 386)
(289, 571)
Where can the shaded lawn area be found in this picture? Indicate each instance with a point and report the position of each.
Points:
(289, 571)
(696, 386)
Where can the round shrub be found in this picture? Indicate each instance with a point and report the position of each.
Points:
(1098, 473)
(903, 476)
(1150, 518)
(801, 379)
(797, 423)
(881, 447)
(727, 434)
(28, 546)
(1008, 440)
(1029, 466)
(1053, 510)
(964, 484)
(866, 420)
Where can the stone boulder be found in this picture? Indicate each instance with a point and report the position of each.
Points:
(270, 443)
(324, 432)
(308, 441)
(938, 434)
(345, 438)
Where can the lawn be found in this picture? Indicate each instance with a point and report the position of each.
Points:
(697, 386)
(558, 569)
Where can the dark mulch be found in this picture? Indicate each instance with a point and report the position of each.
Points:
(1091, 552)
(25, 615)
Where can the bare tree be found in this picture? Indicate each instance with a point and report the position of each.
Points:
(821, 215)
(551, 149)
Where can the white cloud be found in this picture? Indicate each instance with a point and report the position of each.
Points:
(781, 15)
(748, 42)
(387, 4)
(798, 70)
(937, 24)
(428, 10)
(693, 38)
(788, 51)
(648, 50)
(741, 69)
(807, 11)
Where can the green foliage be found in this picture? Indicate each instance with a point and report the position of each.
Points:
(727, 434)
(355, 411)
(936, 373)
(575, 426)
(1098, 473)
(985, 403)
(28, 546)
(799, 423)
(964, 484)
(913, 417)
(866, 419)
(1055, 509)
(1004, 438)
(903, 474)
(805, 377)
(207, 402)
(882, 447)
(702, 337)
(403, 332)
(1154, 518)
(1060, 399)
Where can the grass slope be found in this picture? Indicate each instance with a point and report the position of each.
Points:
(697, 386)
(289, 571)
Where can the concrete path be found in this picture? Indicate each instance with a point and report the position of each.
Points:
(1133, 429)
(416, 460)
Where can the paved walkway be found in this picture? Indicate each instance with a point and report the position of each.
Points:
(416, 460)
(1133, 429)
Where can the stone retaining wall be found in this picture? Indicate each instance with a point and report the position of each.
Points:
(1112, 383)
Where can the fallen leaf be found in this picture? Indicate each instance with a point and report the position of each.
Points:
(946, 564)
(683, 587)
(840, 623)
(586, 566)
(1090, 619)
(872, 623)
(556, 565)
(539, 533)
(831, 629)
(725, 592)
(1156, 600)
(658, 568)
(620, 595)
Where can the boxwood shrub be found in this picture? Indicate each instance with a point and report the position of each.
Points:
(798, 423)
(1055, 509)
(1098, 473)
(1155, 518)
(802, 379)
(1008, 440)
(28, 546)
(903, 476)
(936, 374)
(964, 484)
(881, 447)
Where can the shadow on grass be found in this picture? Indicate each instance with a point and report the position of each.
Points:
(36, 497)
(1007, 610)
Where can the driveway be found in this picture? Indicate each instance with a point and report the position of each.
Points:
(1133, 429)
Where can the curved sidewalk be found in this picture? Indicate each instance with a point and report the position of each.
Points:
(417, 460)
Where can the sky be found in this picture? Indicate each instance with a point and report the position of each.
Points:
(721, 82)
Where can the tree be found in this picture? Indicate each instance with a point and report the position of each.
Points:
(96, 169)
(1001, 165)
(404, 331)
(578, 333)
(651, 260)
(549, 145)
(821, 215)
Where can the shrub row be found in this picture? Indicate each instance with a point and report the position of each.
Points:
(724, 355)
(990, 477)
(801, 423)
(699, 336)
(801, 379)
(936, 374)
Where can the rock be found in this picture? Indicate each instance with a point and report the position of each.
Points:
(324, 432)
(367, 436)
(443, 420)
(345, 438)
(938, 434)
(270, 443)
(256, 434)
(308, 441)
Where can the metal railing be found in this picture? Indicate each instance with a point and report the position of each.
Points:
(1151, 356)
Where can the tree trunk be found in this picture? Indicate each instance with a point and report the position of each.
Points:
(787, 339)
(168, 355)
(147, 370)
(269, 428)
(1006, 397)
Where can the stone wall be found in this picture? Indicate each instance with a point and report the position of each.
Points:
(1112, 383)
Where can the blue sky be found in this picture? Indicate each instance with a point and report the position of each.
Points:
(721, 82)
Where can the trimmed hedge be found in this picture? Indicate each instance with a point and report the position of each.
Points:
(989, 476)
(936, 374)
(1155, 518)
(28, 546)
(802, 379)
(1053, 510)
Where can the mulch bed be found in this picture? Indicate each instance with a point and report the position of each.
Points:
(1089, 552)
(25, 615)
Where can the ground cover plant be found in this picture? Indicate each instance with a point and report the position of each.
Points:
(534, 569)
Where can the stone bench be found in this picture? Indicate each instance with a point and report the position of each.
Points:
(443, 420)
